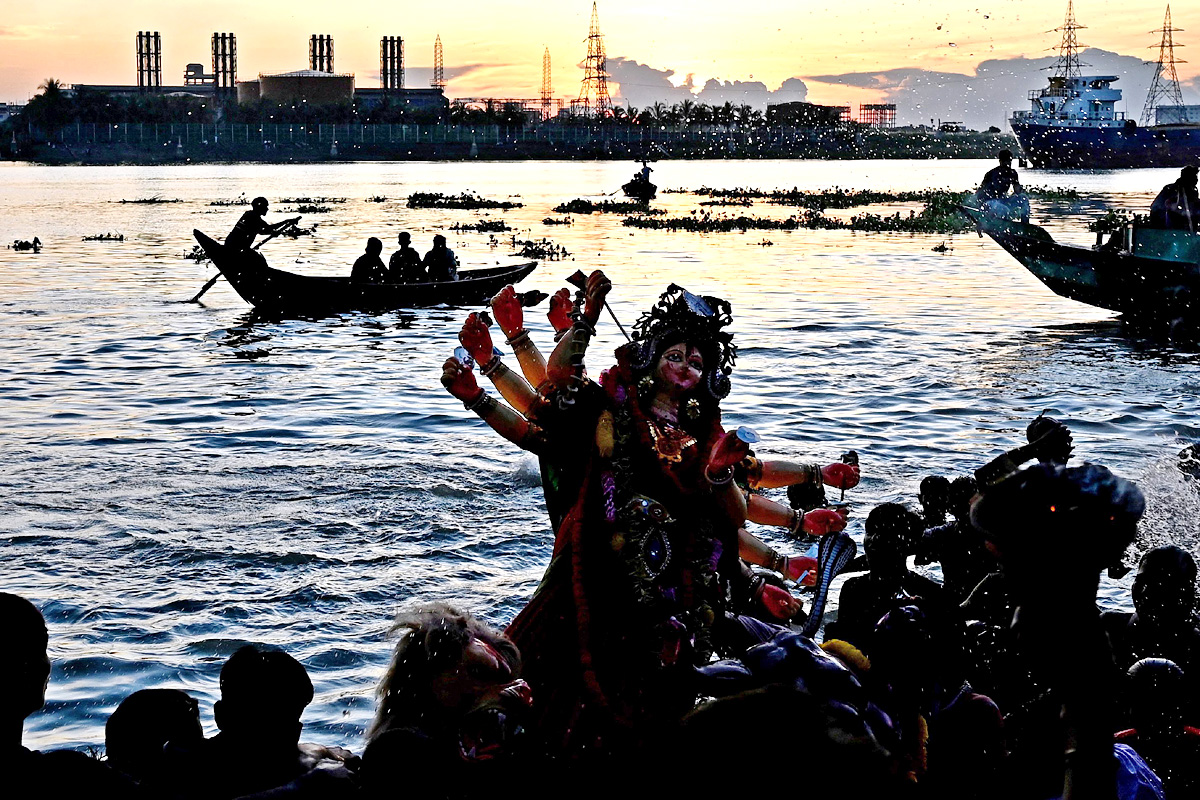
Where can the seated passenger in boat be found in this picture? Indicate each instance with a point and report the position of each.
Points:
(993, 194)
(441, 261)
(1177, 207)
(405, 264)
(369, 267)
(252, 224)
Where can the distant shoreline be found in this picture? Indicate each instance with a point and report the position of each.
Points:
(149, 144)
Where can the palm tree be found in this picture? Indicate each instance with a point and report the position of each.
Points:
(658, 113)
(687, 110)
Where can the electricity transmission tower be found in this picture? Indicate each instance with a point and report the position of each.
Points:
(1164, 89)
(439, 75)
(1068, 63)
(547, 89)
(593, 92)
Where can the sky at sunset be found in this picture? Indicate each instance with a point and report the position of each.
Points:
(494, 49)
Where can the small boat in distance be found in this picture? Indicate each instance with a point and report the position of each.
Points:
(276, 292)
(1150, 276)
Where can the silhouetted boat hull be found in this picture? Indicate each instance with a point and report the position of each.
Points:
(278, 292)
(1153, 277)
(639, 189)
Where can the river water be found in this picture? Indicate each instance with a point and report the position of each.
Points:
(177, 480)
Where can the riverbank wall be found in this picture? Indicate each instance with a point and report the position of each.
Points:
(148, 143)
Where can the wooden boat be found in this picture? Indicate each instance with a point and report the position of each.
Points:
(639, 189)
(1148, 275)
(277, 292)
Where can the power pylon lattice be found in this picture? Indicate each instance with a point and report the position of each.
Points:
(1164, 89)
(593, 92)
(1068, 63)
(439, 74)
(547, 88)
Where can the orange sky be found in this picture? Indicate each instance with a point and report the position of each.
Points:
(82, 41)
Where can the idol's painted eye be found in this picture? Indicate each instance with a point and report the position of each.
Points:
(696, 364)
(674, 356)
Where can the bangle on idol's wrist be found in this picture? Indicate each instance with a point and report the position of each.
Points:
(580, 320)
(491, 367)
(778, 562)
(479, 401)
(725, 476)
(814, 474)
(797, 522)
(558, 335)
(519, 340)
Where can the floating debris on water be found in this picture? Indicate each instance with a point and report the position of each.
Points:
(295, 231)
(377, 199)
(543, 249)
(1115, 220)
(942, 248)
(313, 209)
(582, 206)
(1052, 193)
(240, 200)
(557, 221)
(105, 237)
(197, 254)
(728, 201)
(151, 200)
(466, 200)
(314, 201)
(482, 226)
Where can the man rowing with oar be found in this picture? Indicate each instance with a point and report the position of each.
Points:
(252, 224)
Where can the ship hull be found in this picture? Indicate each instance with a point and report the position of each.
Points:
(1053, 147)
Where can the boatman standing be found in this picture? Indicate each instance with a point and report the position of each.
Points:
(1177, 207)
(994, 195)
(252, 224)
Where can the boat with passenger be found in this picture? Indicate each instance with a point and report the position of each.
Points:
(1150, 276)
(279, 292)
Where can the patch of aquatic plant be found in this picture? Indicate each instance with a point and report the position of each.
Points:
(557, 221)
(314, 201)
(1053, 193)
(1114, 220)
(240, 200)
(482, 226)
(680, 190)
(312, 209)
(295, 231)
(817, 200)
(197, 254)
(105, 237)
(582, 206)
(939, 215)
(158, 198)
(377, 199)
(728, 201)
(466, 200)
(543, 249)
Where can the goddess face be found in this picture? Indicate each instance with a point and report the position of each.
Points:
(679, 368)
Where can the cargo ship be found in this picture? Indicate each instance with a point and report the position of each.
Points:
(1073, 122)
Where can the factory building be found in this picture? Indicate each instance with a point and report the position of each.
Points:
(302, 86)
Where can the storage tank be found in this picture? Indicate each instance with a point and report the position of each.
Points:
(315, 88)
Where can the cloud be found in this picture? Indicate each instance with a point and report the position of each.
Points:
(996, 88)
(641, 85)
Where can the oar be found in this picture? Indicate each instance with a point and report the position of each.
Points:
(215, 278)
(580, 280)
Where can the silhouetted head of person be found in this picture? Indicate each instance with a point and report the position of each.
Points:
(24, 665)
(144, 723)
(1164, 588)
(934, 495)
(1005, 157)
(1051, 438)
(901, 648)
(263, 694)
(1158, 697)
(374, 246)
(1065, 522)
(259, 204)
(891, 533)
(1188, 175)
(404, 238)
(439, 241)
(962, 491)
